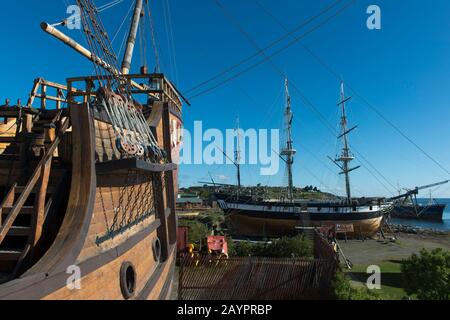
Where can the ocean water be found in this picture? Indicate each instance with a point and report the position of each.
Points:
(445, 225)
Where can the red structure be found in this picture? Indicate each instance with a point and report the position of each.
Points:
(217, 244)
(182, 239)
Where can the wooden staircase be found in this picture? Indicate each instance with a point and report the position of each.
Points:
(25, 207)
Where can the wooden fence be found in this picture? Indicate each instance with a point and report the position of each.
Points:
(257, 278)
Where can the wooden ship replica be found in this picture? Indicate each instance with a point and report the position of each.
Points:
(88, 184)
(256, 217)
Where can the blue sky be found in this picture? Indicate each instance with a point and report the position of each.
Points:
(402, 70)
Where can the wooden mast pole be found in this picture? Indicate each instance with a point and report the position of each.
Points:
(345, 152)
(289, 150)
(128, 56)
(238, 158)
(346, 156)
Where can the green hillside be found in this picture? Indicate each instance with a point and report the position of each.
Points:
(266, 192)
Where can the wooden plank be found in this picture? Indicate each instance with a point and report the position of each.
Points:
(25, 110)
(38, 218)
(133, 163)
(9, 255)
(7, 139)
(19, 231)
(33, 92)
(169, 176)
(52, 98)
(43, 96)
(27, 210)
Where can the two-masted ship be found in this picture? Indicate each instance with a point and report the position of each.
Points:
(256, 217)
(88, 179)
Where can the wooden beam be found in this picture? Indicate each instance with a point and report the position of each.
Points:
(160, 200)
(43, 96)
(132, 163)
(170, 181)
(33, 92)
(38, 217)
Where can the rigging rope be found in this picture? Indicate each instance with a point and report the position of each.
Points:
(134, 137)
(154, 40)
(169, 38)
(355, 93)
(270, 45)
(267, 58)
(277, 52)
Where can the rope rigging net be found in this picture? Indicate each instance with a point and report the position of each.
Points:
(133, 135)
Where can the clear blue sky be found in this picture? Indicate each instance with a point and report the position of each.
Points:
(403, 70)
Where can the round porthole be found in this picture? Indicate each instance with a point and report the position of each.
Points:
(127, 280)
(156, 248)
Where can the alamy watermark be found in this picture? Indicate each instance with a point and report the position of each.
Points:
(217, 147)
(73, 22)
(374, 20)
(374, 280)
(73, 282)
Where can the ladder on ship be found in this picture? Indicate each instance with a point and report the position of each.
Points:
(26, 204)
(386, 231)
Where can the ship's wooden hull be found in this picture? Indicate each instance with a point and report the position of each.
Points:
(95, 242)
(433, 212)
(252, 226)
(275, 219)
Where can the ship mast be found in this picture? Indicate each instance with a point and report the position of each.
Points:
(346, 155)
(288, 152)
(128, 56)
(237, 157)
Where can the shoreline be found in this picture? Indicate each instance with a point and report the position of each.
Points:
(408, 229)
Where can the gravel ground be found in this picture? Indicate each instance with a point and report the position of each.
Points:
(374, 251)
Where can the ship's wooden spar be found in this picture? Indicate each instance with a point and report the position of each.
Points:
(83, 51)
(126, 64)
(88, 54)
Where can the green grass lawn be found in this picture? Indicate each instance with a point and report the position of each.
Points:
(391, 279)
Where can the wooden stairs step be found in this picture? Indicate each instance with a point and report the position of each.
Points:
(19, 231)
(51, 114)
(50, 190)
(10, 157)
(42, 121)
(14, 112)
(7, 139)
(10, 255)
(26, 210)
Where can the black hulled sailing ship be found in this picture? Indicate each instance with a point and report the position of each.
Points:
(406, 205)
(257, 217)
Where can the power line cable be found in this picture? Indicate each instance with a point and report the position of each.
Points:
(355, 92)
(267, 57)
(278, 70)
(270, 45)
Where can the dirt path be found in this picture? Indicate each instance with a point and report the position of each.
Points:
(373, 251)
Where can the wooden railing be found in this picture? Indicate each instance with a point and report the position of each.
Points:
(40, 91)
